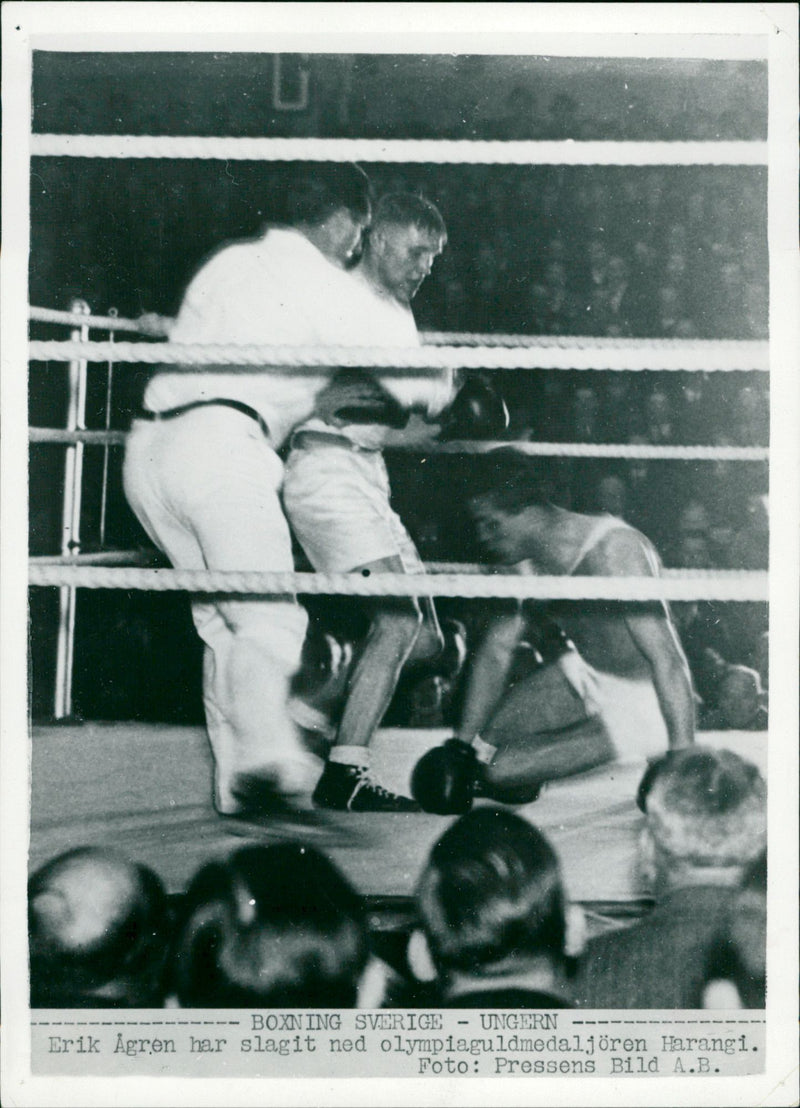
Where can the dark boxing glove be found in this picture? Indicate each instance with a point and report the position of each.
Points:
(549, 640)
(443, 780)
(355, 396)
(477, 412)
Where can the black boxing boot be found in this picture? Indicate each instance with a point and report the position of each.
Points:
(350, 788)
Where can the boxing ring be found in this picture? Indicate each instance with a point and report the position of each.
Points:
(145, 789)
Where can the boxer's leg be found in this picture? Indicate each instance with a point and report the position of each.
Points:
(542, 731)
(338, 503)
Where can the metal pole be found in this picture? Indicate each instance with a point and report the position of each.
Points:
(71, 519)
(104, 488)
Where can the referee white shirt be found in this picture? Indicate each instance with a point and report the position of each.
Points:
(277, 290)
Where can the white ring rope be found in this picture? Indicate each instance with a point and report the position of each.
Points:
(442, 151)
(696, 585)
(681, 355)
(429, 338)
(145, 557)
(81, 319)
(572, 342)
(638, 451)
(91, 438)
(97, 558)
(643, 451)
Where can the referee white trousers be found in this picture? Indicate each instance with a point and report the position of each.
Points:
(205, 486)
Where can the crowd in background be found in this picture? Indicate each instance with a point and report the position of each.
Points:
(662, 252)
(280, 926)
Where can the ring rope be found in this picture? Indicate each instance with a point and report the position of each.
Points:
(643, 451)
(429, 338)
(442, 151)
(740, 585)
(66, 438)
(571, 342)
(125, 558)
(81, 319)
(631, 451)
(683, 355)
(143, 557)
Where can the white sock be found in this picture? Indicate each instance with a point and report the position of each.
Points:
(484, 751)
(350, 756)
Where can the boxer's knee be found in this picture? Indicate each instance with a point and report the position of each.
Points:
(399, 623)
(429, 642)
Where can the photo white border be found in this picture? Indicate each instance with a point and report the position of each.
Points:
(498, 28)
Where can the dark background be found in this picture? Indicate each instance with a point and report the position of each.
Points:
(531, 250)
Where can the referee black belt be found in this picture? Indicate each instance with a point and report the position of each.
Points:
(237, 405)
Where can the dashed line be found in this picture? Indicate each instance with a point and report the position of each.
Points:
(137, 1023)
(735, 1022)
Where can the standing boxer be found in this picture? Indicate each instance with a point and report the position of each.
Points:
(203, 475)
(336, 490)
(614, 683)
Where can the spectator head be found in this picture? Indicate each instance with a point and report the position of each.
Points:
(694, 551)
(331, 205)
(407, 235)
(675, 269)
(272, 926)
(693, 519)
(740, 697)
(597, 253)
(556, 250)
(757, 509)
(617, 271)
(491, 900)
(555, 275)
(685, 328)
(564, 112)
(658, 406)
(669, 300)
(736, 972)
(644, 254)
(677, 238)
(539, 300)
(98, 930)
(585, 405)
(705, 818)
(612, 496)
(731, 276)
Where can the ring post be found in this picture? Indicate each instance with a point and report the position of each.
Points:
(71, 518)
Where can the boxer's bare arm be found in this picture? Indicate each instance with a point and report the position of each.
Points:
(650, 626)
(655, 637)
(488, 673)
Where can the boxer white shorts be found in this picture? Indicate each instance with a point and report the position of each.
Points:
(337, 501)
(628, 707)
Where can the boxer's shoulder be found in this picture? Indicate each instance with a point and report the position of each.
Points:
(622, 551)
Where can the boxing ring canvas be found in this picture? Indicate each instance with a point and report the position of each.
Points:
(145, 791)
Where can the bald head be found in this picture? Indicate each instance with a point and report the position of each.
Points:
(97, 926)
(82, 896)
